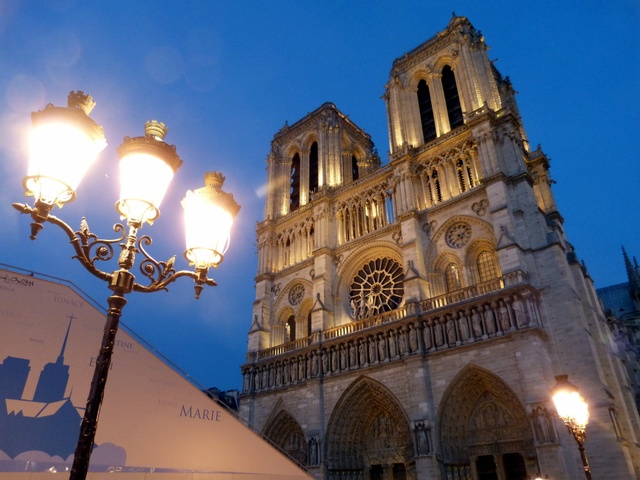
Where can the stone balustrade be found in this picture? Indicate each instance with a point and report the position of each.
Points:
(475, 314)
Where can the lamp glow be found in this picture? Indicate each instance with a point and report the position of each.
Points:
(64, 142)
(570, 405)
(147, 165)
(574, 412)
(208, 214)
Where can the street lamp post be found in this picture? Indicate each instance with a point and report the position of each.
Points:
(574, 412)
(64, 142)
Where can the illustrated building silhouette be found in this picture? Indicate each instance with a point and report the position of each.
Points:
(48, 422)
(410, 317)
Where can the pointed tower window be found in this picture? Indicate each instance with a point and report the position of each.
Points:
(354, 168)
(313, 168)
(465, 175)
(426, 112)
(436, 186)
(294, 192)
(451, 97)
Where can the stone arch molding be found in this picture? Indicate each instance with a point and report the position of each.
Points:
(356, 259)
(291, 149)
(480, 229)
(283, 302)
(481, 415)
(449, 58)
(368, 426)
(285, 432)
(422, 72)
(295, 300)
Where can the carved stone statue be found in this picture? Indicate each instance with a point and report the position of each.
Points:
(489, 320)
(353, 359)
(402, 342)
(426, 333)
(503, 313)
(413, 339)
(463, 325)
(362, 352)
(382, 347)
(476, 323)
(438, 332)
(392, 345)
(451, 331)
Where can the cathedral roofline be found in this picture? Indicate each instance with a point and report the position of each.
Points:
(311, 116)
(456, 21)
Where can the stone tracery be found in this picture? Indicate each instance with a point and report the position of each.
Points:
(481, 415)
(378, 435)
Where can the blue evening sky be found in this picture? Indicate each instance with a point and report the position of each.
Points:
(225, 76)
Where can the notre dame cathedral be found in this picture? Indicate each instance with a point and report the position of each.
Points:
(410, 317)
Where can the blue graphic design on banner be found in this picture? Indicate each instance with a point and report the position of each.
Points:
(152, 420)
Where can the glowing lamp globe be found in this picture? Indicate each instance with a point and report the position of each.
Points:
(208, 214)
(64, 142)
(570, 405)
(147, 165)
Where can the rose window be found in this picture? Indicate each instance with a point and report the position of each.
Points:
(296, 294)
(458, 235)
(377, 288)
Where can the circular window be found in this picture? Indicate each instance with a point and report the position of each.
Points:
(458, 235)
(377, 288)
(296, 294)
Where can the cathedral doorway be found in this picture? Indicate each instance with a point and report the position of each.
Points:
(368, 436)
(285, 432)
(484, 430)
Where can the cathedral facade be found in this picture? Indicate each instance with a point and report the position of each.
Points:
(410, 317)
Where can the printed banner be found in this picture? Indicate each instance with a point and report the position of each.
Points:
(152, 420)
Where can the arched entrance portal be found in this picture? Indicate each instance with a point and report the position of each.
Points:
(286, 433)
(484, 431)
(368, 435)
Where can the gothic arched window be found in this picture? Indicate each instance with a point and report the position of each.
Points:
(291, 329)
(465, 175)
(452, 278)
(437, 191)
(354, 168)
(487, 268)
(426, 112)
(451, 97)
(294, 191)
(313, 168)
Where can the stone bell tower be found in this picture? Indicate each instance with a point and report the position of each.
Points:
(322, 152)
(410, 317)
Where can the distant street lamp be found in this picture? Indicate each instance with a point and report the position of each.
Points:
(64, 142)
(574, 412)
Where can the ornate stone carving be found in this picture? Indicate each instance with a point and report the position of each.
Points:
(458, 235)
(376, 288)
(480, 208)
(296, 294)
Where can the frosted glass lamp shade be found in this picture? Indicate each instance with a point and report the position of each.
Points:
(570, 405)
(208, 214)
(64, 142)
(147, 165)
